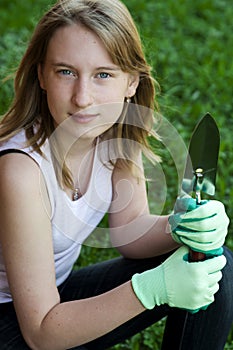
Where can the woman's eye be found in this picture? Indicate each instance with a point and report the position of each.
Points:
(66, 72)
(104, 75)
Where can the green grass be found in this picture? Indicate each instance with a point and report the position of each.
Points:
(189, 45)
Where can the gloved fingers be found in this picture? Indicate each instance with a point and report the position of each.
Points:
(206, 210)
(215, 264)
(179, 221)
(214, 289)
(208, 237)
(205, 224)
(203, 247)
(207, 217)
(214, 222)
(214, 278)
(197, 236)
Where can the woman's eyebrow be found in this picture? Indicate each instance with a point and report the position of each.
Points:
(106, 67)
(113, 68)
(62, 64)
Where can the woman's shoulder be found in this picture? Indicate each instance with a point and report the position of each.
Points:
(21, 180)
(15, 163)
(18, 169)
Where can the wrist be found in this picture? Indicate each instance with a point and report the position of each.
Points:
(149, 287)
(171, 228)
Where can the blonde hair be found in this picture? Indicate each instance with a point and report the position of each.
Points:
(112, 22)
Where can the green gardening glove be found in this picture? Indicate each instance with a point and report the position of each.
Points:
(201, 227)
(178, 283)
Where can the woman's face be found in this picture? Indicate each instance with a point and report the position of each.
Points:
(83, 85)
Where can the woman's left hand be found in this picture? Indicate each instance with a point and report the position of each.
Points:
(201, 227)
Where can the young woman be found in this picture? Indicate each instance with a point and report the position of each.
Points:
(71, 151)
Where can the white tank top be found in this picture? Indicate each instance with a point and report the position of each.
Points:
(72, 221)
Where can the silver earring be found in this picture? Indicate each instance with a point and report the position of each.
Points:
(128, 100)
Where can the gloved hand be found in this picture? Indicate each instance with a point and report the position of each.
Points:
(178, 283)
(201, 227)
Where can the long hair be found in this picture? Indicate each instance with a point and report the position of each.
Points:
(112, 22)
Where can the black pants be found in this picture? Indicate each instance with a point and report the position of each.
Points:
(205, 330)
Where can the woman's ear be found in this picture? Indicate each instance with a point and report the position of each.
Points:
(40, 76)
(133, 84)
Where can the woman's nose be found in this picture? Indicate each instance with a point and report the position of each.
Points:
(82, 93)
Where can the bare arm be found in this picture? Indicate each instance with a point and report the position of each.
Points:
(26, 239)
(134, 231)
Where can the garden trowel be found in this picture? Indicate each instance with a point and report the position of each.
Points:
(201, 166)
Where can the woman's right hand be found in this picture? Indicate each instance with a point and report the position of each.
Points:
(179, 283)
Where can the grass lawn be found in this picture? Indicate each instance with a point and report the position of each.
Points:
(189, 45)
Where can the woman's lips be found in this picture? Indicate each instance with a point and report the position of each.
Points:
(83, 118)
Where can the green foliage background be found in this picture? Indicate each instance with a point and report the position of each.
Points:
(189, 45)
